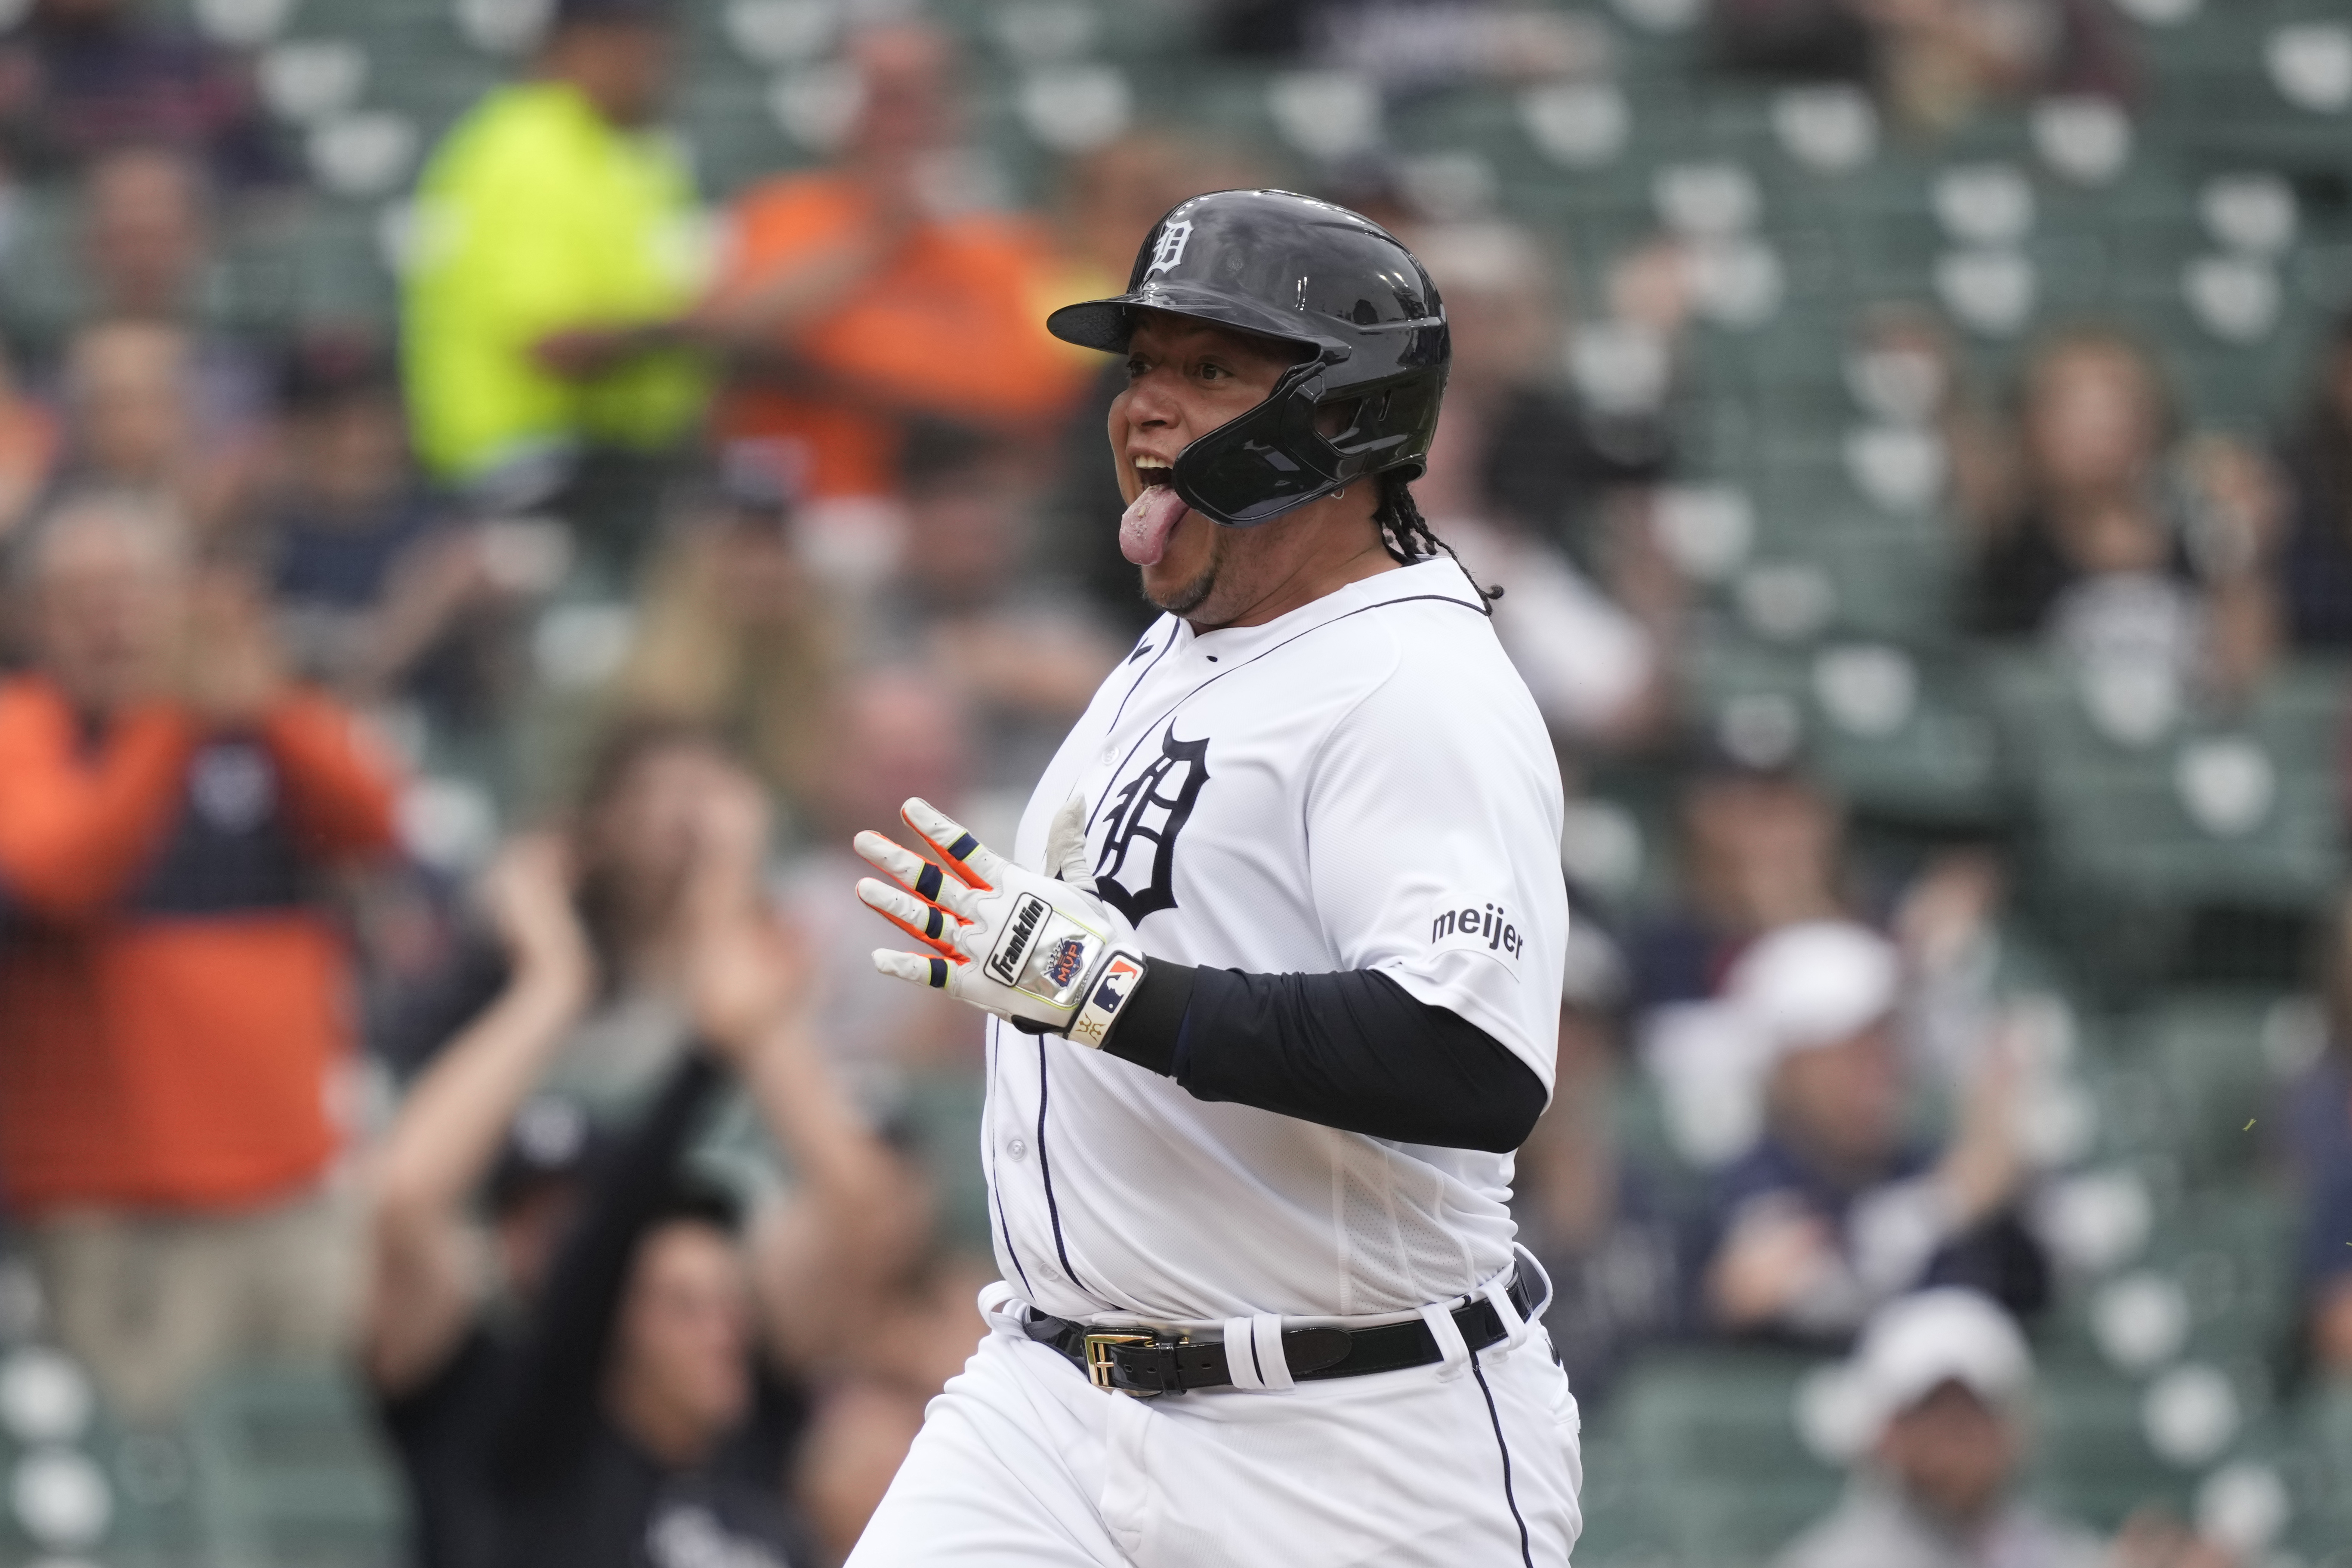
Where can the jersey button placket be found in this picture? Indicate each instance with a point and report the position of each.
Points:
(1016, 1149)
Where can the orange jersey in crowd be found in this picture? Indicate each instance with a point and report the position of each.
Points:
(173, 1004)
(951, 326)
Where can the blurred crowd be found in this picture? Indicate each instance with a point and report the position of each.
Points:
(646, 1209)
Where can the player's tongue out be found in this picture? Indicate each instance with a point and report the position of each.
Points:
(1143, 531)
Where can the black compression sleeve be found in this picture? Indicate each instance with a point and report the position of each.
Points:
(551, 1404)
(1353, 1051)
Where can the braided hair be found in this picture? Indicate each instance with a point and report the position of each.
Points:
(1406, 534)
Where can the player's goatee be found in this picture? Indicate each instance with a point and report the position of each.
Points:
(1189, 597)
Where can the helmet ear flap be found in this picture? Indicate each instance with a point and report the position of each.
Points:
(1262, 463)
(1337, 420)
(1287, 451)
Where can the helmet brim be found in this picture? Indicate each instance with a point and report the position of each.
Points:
(1107, 324)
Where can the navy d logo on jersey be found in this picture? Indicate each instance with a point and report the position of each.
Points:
(1150, 809)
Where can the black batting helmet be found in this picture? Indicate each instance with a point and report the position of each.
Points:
(1367, 323)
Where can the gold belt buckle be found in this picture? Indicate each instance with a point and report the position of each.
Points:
(1100, 1363)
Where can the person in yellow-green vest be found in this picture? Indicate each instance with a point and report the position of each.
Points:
(556, 232)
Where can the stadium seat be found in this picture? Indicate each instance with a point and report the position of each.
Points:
(2090, 1461)
(1896, 732)
(2219, 1056)
(289, 1473)
(2221, 809)
(1723, 1479)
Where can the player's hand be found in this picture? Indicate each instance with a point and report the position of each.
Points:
(1034, 947)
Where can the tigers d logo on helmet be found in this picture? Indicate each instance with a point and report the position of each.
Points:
(1169, 252)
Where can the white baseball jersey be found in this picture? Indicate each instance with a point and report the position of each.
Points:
(1362, 784)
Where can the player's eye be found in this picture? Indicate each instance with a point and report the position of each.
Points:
(1212, 370)
(1136, 366)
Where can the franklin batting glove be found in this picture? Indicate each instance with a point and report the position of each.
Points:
(1037, 949)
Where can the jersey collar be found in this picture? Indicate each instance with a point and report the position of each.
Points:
(1440, 577)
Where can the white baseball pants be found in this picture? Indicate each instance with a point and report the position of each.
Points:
(1022, 1463)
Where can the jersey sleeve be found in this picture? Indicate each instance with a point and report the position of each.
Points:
(73, 829)
(339, 794)
(1433, 821)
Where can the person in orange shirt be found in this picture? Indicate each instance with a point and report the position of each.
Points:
(838, 289)
(173, 1009)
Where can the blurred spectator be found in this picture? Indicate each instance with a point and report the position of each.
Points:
(2127, 543)
(1518, 445)
(148, 251)
(80, 77)
(1938, 1390)
(1933, 63)
(557, 244)
(632, 843)
(142, 248)
(428, 1347)
(2327, 1279)
(2314, 568)
(1836, 1209)
(31, 443)
(378, 588)
(628, 1413)
(138, 420)
(2096, 421)
(855, 297)
(1000, 630)
(1522, 469)
(1761, 847)
(1415, 43)
(1946, 920)
(734, 632)
(895, 735)
(146, 236)
(2318, 1114)
(172, 998)
(1592, 1215)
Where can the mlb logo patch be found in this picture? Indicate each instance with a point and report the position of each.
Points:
(1094, 1020)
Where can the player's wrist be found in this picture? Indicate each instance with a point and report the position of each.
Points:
(1148, 1024)
(1105, 997)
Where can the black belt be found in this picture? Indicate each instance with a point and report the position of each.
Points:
(1133, 1361)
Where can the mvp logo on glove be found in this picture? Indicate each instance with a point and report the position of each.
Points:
(1061, 964)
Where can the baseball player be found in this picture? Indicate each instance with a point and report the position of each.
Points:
(1274, 967)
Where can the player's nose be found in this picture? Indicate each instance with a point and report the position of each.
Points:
(1149, 403)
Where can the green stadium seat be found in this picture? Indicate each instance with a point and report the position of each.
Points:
(2218, 1057)
(2317, 1461)
(2231, 1249)
(942, 1109)
(1722, 1476)
(291, 1472)
(2228, 810)
(2090, 1461)
(1896, 731)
